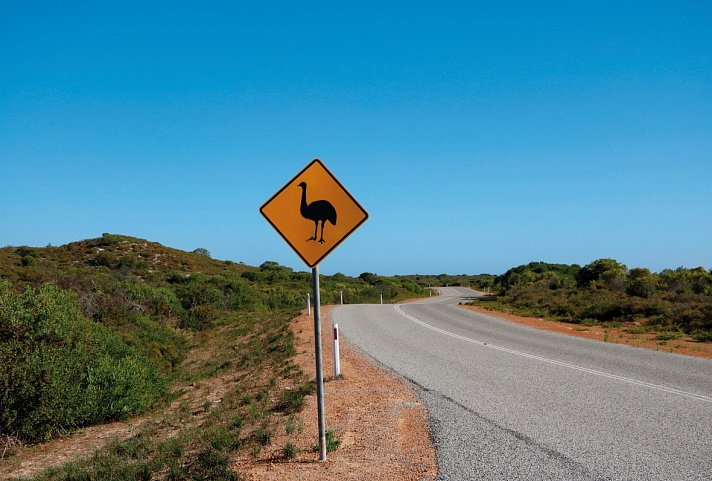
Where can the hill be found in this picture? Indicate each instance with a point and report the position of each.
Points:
(108, 328)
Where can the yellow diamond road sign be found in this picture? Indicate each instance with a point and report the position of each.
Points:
(314, 213)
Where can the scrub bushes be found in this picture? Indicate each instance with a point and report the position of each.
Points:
(62, 370)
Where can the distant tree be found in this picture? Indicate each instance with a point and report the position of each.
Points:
(681, 280)
(368, 277)
(641, 282)
(674, 280)
(201, 251)
(607, 273)
(553, 276)
(700, 280)
(274, 266)
(270, 266)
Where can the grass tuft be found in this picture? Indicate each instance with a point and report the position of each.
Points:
(289, 450)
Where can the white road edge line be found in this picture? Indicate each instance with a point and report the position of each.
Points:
(669, 390)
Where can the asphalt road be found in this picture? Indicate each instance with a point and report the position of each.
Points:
(508, 402)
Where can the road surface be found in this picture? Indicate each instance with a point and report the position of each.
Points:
(509, 402)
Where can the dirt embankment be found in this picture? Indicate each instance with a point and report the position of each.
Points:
(382, 426)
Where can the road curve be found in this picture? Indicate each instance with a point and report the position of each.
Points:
(508, 402)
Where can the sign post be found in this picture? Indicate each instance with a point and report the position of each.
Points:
(315, 196)
(319, 369)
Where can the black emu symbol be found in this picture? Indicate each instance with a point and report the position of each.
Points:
(317, 211)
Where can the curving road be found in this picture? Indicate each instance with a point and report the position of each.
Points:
(508, 402)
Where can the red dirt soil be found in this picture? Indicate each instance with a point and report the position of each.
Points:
(382, 425)
(618, 335)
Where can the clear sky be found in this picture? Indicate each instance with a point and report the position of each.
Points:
(478, 135)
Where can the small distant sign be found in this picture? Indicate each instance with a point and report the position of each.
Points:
(314, 213)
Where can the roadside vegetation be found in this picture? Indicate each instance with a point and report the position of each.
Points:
(673, 303)
(110, 328)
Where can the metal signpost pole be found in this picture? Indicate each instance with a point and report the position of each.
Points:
(319, 371)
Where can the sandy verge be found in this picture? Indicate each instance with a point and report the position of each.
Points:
(618, 335)
(382, 425)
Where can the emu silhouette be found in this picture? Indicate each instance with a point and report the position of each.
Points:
(317, 211)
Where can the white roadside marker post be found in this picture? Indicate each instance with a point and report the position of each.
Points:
(341, 294)
(308, 305)
(337, 355)
(381, 298)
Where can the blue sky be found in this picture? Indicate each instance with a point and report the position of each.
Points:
(479, 136)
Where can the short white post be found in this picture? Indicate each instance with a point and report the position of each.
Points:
(381, 298)
(431, 293)
(337, 362)
(308, 305)
(341, 293)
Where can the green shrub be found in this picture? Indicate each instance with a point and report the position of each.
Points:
(291, 401)
(223, 438)
(668, 335)
(106, 259)
(161, 302)
(702, 336)
(289, 450)
(163, 346)
(61, 370)
(24, 251)
(212, 465)
(263, 436)
(332, 443)
(251, 276)
(107, 239)
(198, 292)
(200, 318)
(639, 329)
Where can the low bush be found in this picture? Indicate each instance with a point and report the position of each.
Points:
(332, 443)
(61, 370)
(702, 336)
(289, 450)
(291, 401)
(668, 335)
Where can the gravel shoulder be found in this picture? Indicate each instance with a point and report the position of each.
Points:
(381, 423)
